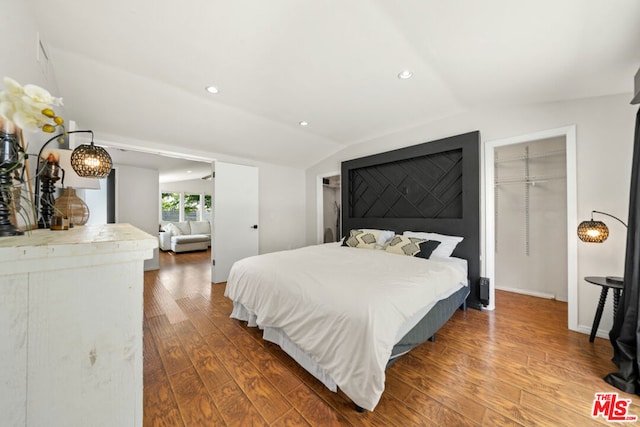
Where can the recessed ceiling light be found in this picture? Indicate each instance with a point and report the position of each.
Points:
(212, 89)
(189, 171)
(406, 74)
(303, 123)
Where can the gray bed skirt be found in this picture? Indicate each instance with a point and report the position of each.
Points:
(430, 323)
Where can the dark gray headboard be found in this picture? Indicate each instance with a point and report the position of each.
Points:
(433, 187)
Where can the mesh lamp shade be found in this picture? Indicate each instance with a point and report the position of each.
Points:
(69, 204)
(90, 161)
(593, 231)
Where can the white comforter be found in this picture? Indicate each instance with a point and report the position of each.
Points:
(343, 306)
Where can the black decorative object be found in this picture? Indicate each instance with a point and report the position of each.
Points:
(90, 161)
(433, 187)
(626, 324)
(11, 156)
(428, 186)
(48, 174)
(595, 231)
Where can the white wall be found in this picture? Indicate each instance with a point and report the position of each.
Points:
(137, 192)
(97, 202)
(604, 146)
(282, 208)
(19, 48)
(192, 186)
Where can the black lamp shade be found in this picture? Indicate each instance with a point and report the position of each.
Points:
(593, 231)
(90, 161)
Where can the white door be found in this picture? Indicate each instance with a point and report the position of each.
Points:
(235, 217)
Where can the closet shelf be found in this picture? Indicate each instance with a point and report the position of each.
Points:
(533, 180)
(532, 156)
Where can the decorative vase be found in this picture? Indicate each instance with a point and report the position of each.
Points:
(72, 207)
(10, 161)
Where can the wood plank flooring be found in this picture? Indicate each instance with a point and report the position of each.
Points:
(519, 365)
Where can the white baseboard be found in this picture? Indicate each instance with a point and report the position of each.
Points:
(600, 333)
(527, 292)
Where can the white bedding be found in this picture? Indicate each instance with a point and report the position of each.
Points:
(344, 307)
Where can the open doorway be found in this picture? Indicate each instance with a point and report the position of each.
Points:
(566, 144)
(331, 208)
(329, 199)
(530, 195)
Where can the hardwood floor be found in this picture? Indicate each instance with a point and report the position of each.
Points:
(516, 366)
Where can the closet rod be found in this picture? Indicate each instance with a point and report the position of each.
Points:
(531, 180)
(531, 156)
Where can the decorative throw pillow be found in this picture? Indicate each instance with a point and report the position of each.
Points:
(382, 236)
(360, 239)
(200, 227)
(412, 246)
(447, 246)
(173, 229)
(183, 226)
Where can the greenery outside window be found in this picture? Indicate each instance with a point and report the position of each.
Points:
(191, 207)
(170, 206)
(206, 214)
(186, 207)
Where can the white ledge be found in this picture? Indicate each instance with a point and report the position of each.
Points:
(40, 250)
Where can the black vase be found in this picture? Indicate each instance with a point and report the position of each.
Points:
(10, 160)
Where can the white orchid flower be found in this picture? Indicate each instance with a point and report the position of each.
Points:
(29, 107)
(7, 110)
(13, 86)
(32, 106)
(27, 121)
(41, 96)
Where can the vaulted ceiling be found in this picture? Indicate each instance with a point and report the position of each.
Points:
(137, 69)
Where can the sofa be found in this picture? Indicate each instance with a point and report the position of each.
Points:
(185, 236)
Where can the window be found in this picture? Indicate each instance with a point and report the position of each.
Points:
(191, 207)
(206, 214)
(170, 207)
(186, 207)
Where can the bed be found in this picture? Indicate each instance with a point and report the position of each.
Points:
(345, 311)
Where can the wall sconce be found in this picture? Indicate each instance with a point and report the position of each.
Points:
(595, 231)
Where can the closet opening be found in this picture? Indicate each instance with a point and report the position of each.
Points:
(328, 199)
(331, 209)
(530, 199)
(530, 215)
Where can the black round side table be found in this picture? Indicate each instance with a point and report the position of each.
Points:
(606, 283)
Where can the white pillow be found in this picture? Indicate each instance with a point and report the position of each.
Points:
(200, 227)
(184, 227)
(383, 237)
(447, 243)
(172, 229)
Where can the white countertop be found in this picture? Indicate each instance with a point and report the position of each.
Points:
(81, 241)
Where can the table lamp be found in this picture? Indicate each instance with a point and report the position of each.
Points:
(69, 204)
(597, 232)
